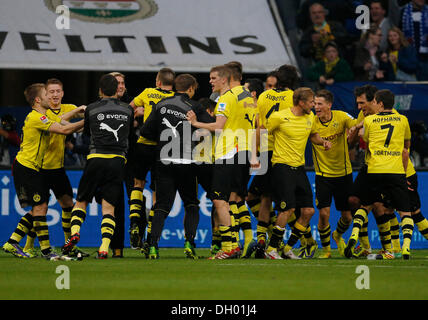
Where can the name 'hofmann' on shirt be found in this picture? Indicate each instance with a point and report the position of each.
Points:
(386, 119)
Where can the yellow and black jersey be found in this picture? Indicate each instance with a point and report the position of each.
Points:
(54, 156)
(360, 117)
(385, 133)
(35, 140)
(410, 169)
(226, 145)
(290, 135)
(247, 115)
(334, 162)
(148, 99)
(269, 102)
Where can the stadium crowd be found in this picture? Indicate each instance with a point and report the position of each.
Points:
(246, 124)
(393, 48)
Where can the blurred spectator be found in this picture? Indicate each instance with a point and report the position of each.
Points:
(271, 80)
(317, 35)
(76, 150)
(371, 64)
(331, 69)
(9, 140)
(414, 24)
(338, 10)
(402, 56)
(378, 18)
(419, 142)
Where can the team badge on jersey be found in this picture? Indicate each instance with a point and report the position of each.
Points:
(44, 119)
(36, 197)
(221, 106)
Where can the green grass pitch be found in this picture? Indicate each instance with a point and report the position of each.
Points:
(173, 277)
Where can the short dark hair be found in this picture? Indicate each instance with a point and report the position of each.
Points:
(382, 4)
(184, 81)
(386, 97)
(108, 85)
(272, 74)
(207, 103)
(327, 95)
(33, 91)
(368, 89)
(235, 70)
(166, 76)
(255, 84)
(287, 77)
(331, 44)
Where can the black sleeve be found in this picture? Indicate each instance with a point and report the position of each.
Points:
(86, 127)
(201, 114)
(131, 125)
(150, 127)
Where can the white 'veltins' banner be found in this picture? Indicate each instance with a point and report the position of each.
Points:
(140, 35)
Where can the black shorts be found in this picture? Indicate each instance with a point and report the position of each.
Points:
(102, 178)
(412, 187)
(204, 173)
(57, 181)
(144, 159)
(390, 189)
(221, 185)
(30, 186)
(359, 187)
(241, 173)
(230, 175)
(338, 188)
(261, 184)
(290, 187)
(172, 178)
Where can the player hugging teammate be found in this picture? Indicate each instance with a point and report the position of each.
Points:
(241, 130)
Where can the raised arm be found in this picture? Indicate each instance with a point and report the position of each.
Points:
(67, 128)
(75, 113)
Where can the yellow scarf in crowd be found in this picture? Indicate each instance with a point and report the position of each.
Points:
(330, 65)
(326, 37)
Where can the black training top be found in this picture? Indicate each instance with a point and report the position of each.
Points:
(109, 123)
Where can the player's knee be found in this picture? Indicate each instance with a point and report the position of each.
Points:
(219, 204)
(307, 212)
(66, 201)
(138, 183)
(354, 203)
(40, 210)
(324, 213)
(346, 216)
